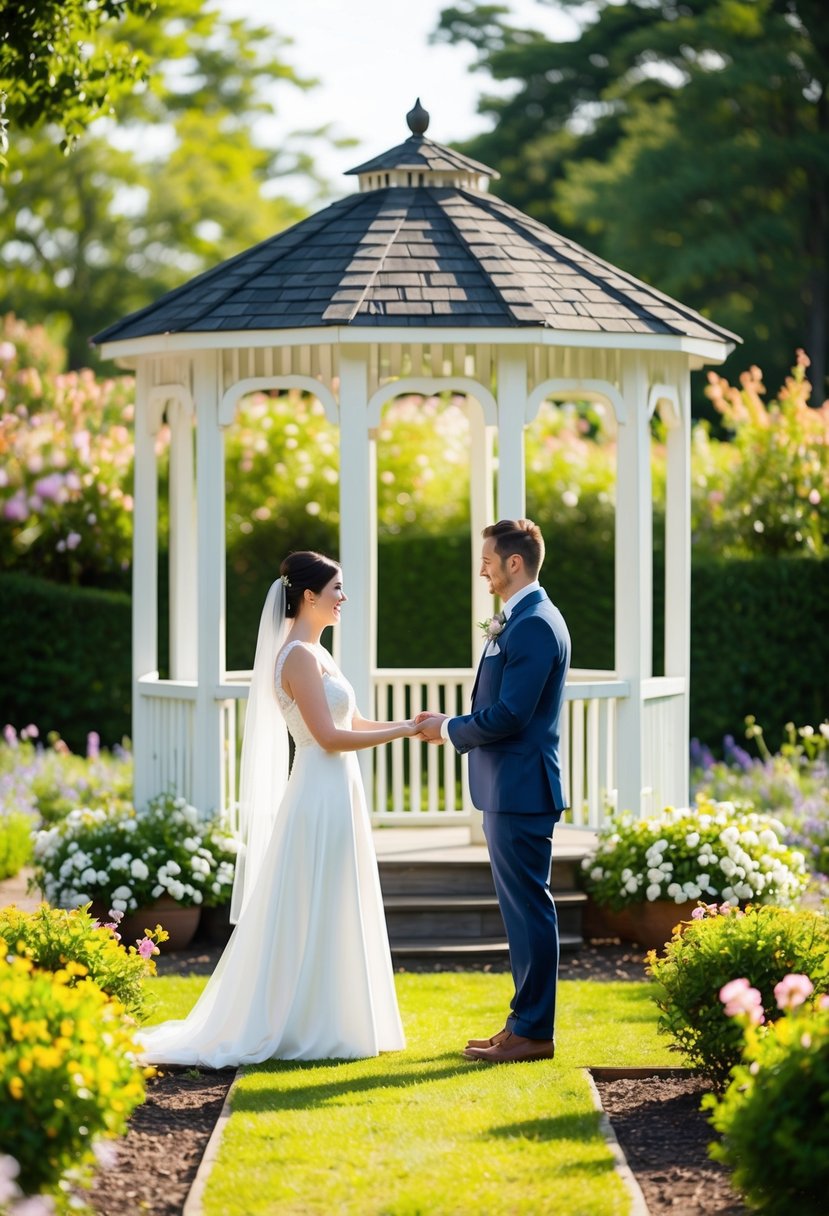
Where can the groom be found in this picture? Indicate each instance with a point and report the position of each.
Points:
(512, 737)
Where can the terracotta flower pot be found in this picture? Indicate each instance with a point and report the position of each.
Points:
(180, 922)
(649, 924)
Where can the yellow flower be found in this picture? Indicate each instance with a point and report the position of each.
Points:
(16, 1087)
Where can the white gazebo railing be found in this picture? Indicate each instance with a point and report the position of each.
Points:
(418, 783)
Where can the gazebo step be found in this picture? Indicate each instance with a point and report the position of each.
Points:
(399, 876)
(452, 917)
(479, 951)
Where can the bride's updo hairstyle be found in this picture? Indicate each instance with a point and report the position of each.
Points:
(305, 571)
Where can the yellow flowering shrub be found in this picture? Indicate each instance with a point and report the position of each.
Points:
(54, 937)
(68, 1074)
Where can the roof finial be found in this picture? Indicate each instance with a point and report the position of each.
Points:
(418, 119)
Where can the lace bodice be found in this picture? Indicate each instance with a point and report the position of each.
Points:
(338, 693)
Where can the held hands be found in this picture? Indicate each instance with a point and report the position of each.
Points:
(429, 724)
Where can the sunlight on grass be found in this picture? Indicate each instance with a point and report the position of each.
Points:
(425, 1131)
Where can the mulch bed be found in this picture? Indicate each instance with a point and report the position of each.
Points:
(657, 1120)
(158, 1159)
(664, 1137)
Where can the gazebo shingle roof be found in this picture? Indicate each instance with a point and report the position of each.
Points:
(413, 255)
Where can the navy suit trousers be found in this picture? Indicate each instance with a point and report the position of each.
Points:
(521, 855)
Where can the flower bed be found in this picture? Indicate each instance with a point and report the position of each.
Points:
(716, 851)
(126, 859)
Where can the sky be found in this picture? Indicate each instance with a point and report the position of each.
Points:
(373, 58)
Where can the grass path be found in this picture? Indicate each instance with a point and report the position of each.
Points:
(425, 1131)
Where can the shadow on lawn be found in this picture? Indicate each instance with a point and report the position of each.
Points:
(581, 1127)
(294, 1097)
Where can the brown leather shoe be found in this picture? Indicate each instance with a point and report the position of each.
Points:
(513, 1049)
(496, 1038)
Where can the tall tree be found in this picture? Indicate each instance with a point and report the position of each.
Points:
(685, 140)
(65, 62)
(180, 183)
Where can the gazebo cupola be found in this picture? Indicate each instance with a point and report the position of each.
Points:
(419, 283)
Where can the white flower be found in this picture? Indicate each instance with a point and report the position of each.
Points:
(730, 835)
(176, 889)
(72, 847)
(120, 905)
(190, 843)
(654, 876)
(692, 891)
(156, 891)
(102, 877)
(653, 892)
(173, 867)
(674, 889)
(122, 893)
(197, 897)
(597, 873)
(130, 826)
(692, 840)
(632, 885)
(139, 869)
(727, 866)
(89, 875)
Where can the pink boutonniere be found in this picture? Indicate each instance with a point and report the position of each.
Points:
(493, 626)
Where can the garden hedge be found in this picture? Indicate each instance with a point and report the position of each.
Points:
(760, 633)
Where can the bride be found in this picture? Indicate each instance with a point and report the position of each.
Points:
(307, 972)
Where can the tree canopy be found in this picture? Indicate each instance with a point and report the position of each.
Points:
(66, 62)
(687, 141)
(181, 182)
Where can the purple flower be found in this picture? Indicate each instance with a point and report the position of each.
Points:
(50, 487)
(73, 540)
(147, 947)
(16, 509)
(10, 734)
(93, 745)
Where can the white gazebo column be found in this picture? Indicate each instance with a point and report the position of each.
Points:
(358, 535)
(678, 570)
(183, 545)
(482, 512)
(144, 583)
(634, 579)
(512, 412)
(210, 501)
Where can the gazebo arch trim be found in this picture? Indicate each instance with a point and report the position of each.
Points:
(665, 395)
(157, 399)
(583, 390)
(256, 384)
(430, 386)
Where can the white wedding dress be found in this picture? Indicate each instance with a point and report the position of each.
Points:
(307, 973)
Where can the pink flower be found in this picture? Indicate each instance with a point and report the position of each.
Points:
(823, 1001)
(147, 947)
(10, 734)
(698, 913)
(793, 991)
(116, 915)
(93, 745)
(73, 540)
(739, 997)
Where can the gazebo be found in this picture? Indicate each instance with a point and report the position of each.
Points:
(419, 283)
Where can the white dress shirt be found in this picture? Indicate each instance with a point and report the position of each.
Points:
(509, 607)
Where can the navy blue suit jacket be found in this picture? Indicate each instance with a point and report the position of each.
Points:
(513, 732)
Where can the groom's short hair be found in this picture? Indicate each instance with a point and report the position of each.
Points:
(519, 536)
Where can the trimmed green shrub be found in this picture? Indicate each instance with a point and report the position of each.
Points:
(763, 944)
(52, 938)
(774, 1116)
(67, 1070)
(15, 843)
(67, 660)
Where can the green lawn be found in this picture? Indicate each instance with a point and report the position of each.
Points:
(425, 1131)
